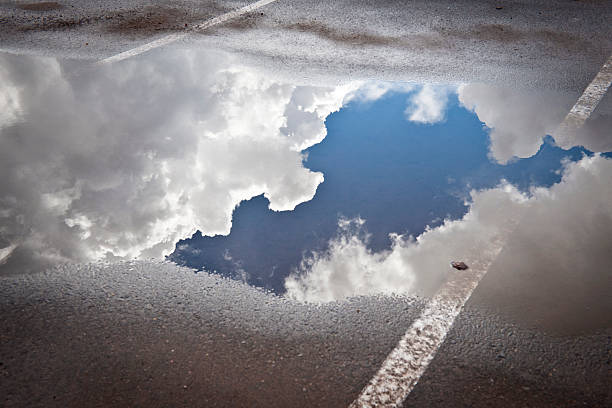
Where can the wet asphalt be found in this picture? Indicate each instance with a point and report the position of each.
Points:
(156, 335)
(144, 334)
(537, 44)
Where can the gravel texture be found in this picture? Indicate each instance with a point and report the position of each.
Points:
(488, 362)
(150, 334)
(156, 335)
(91, 30)
(555, 45)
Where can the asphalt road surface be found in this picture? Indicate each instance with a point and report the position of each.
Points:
(557, 45)
(144, 334)
(149, 334)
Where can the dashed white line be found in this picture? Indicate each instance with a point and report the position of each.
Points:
(404, 366)
(179, 36)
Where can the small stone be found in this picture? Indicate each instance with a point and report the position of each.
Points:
(459, 265)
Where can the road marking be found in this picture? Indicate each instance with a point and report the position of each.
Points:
(6, 252)
(404, 366)
(179, 36)
(585, 105)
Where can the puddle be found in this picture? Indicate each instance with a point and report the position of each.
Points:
(362, 187)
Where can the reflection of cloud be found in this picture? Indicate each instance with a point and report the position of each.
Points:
(306, 112)
(9, 102)
(518, 122)
(374, 90)
(123, 161)
(595, 134)
(309, 106)
(577, 212)
(427, 105)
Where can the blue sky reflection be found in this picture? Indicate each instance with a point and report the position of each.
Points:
(328, 190)
(397, 174)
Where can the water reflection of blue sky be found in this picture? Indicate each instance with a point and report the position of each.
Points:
(125, 160)
(397, 174)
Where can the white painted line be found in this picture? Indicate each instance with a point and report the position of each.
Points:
(6, 252)
(585, 105)
(142, 49)
(403, 367)
(179, 36)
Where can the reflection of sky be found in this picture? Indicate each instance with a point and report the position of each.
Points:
(122, 161)
(398, 175)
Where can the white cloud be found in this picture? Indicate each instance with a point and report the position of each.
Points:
(10, 100)
(9, 103)
(519, 120)
(428, 105)
(374, 90)
(595, 134)
(572, 215)
(124, 160)
(307, 109)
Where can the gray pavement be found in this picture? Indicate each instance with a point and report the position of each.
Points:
(542, 44)
(90, 30)
(487, 361)
(145, 334)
